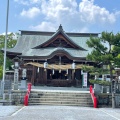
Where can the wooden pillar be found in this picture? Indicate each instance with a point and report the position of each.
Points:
(39, 76)
(45, 76)
(33, 75)
(73, 78)
(69, 74)
(42, 75)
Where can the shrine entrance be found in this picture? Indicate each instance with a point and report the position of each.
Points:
(58, 71)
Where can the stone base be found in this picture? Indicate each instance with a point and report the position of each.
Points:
(15, 87)
(23, 85)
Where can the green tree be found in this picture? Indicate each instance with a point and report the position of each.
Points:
(11, 42)
(106, 50)
(1, 72)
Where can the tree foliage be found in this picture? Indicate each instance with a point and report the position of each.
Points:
(95, 70)
(100, 82)
(11, 42)
(106, 49)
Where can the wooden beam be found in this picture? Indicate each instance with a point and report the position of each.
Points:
(60, 36)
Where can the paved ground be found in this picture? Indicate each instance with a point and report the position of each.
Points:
(57, 113)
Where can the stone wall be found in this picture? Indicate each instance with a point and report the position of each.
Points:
(105, 100)
(17, 97)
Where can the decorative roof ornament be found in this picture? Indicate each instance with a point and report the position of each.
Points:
(60, 27)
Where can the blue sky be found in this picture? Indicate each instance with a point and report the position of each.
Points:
(83, 16)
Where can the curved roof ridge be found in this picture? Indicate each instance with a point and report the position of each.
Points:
(60, 30)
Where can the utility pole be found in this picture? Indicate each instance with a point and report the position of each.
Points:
(5, 47)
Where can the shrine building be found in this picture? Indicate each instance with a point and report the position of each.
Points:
(52, 58)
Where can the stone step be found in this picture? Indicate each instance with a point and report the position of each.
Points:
(43, 92)
(69, 97)
(63, 104)
(59, 94)
(58, 99)
(55, 94)
(61, 97)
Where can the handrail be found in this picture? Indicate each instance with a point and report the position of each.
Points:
(94, 99)
(26, 97)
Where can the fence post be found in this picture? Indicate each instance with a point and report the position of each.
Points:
(95, 102)
(29, 86)
(26, 100)
(90, 88)
(26, 97)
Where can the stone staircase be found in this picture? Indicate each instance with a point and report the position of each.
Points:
(60, 98)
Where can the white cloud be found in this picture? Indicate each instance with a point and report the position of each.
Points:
(58, 9)
(93, 13)
(66, 12)
(35, 1)
(27, 2)
(61, 12)
(5, 33)
(44, 26)
(88, 12)
(31, 13)
(84, 30)
(117, 13)
(24, 2)
(73, 16)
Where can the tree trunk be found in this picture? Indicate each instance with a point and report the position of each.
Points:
(102, 91)
(112, 87)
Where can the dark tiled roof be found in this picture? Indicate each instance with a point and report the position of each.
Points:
(28, 41)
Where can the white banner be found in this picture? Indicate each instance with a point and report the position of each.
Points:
(85, 79)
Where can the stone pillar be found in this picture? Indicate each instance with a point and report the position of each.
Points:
(23, 80)
(16, 73)
(24, 71)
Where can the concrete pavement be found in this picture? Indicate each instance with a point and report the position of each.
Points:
(57, 113)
